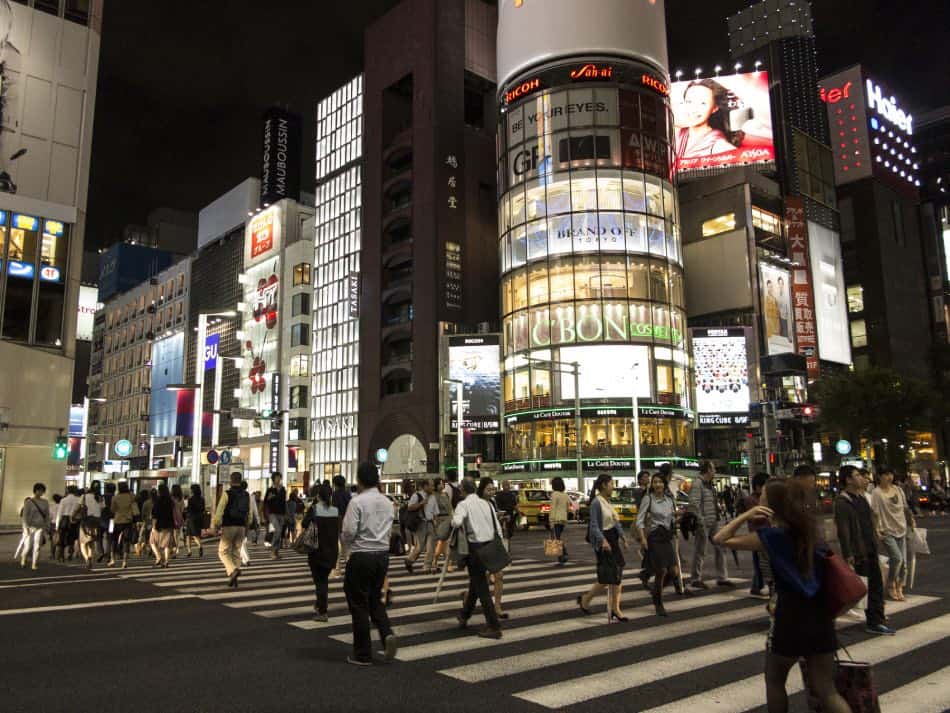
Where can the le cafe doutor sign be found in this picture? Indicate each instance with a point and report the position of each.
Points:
(584, 73)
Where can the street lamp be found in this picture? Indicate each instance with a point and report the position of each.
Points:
(85, 436)
(576, 369)
(459, 438)
(636, 419)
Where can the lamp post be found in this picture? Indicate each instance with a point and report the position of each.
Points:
(576, 370)
(459, 437)
(84, 448)
(636, 420)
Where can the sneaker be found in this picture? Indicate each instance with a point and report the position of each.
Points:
(758, 594)
(323, 618)
(358, 662)
(390, 647)
(724, 583)
(34, 568)
(489, 632)
(882, 629)
(698, 584)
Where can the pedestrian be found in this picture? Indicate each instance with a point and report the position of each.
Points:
(605, 534)
(656, 525)
(559, 508)
(703, 504)
(486, 491)
(162, 539)
(507, 500)
(423, 503)
(906, 484)
(893, 517)
(255, 526)
(91, 510)
(754, 524)
(195, 519)
(480, 523)
(231, 519)
(125, 510)
(365, 532)
(642, 489)
(323, 559)
(148, 498)
(290, 522)
(178, 515)
(857, 537)
(729, 500)
(275, 503)
(53, 529)
(104, 543)
(35, 518)
(801, 625)
(443, 522)
(340, 500)
(68, 529)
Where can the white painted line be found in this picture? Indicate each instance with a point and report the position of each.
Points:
(577, 651)
(94, 605)
(85, 576)
(930, 694)
(750, 692)
(87, 580)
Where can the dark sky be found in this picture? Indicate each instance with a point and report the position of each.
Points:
(183, 83)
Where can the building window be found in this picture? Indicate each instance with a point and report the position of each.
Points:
(299, 335)
(897, 216)
(302, 274)
(300, 304)
(769, 222)
(859, 334)
(855, 299)
(298, 397)
(720, 224)
(300, 365)
(50, 6)
(297, 428)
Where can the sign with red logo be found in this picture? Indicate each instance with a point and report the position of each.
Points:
(803, 299)
(657, 85)
(522, 89)
(592, 71)
(262, 235)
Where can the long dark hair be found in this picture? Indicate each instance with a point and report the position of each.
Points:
(601, 481)
(789, 500)
(725, 101)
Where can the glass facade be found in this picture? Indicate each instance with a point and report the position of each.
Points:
(590, 257)
(335, 362)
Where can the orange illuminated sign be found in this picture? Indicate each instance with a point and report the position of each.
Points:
(655, 84)
(592, 71)
(524, 89)
(835, 94)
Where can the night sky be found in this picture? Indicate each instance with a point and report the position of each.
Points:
(182, 84)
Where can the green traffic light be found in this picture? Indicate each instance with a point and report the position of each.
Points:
(60, 451)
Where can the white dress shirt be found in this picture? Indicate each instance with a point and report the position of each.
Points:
(481, 518)
(368, 522)
(67, 506)
(93, 507)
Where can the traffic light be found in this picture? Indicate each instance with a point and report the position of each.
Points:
(61, 449)
(808, 411)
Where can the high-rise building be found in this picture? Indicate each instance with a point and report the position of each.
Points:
(589, 241)
(336, 266)
(49, 59)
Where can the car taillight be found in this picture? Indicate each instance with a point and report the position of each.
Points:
(545, 508)
(924, 499)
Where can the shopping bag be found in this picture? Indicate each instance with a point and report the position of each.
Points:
(553, 547)
(855, 682)
(917, 541)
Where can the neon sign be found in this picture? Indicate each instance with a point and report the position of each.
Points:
(835, 94)
(592, 71)
(522, 90)
(888, 108)
(655, 84)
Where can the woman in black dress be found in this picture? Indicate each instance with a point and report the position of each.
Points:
(194, 519)
(656, 518)
(605, 534)
(801, 626)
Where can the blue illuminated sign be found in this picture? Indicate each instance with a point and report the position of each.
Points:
(20, 269)
(25, 222)
(48, 273)
(212, 342)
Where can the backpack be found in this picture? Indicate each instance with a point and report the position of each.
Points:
(238, 508)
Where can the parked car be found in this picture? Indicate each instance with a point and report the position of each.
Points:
(624, 502)
(534, 506)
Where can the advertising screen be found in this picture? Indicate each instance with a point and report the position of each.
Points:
(606, 371)
(775, 283)
(88, 304)
(261, 330)
(722, 376)
(475, 360)
(834, 342)
(722, 121)
(262, 235)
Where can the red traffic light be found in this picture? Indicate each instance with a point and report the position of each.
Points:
(808, 411)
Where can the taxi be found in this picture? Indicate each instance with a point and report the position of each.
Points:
(624, 502)
(534, 506)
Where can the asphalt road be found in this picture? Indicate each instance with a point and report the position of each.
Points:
(175, 640)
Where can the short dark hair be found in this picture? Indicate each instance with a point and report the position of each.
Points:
(276, 474)
(367, 475)
(804, 471)
(124, 486)
(483, 483)
(706, 467)
(557, 483)
(468, 486)
(39, 488)
(236, 477)
(324, 493)
(339, 481)
(886, 469)
(844, 474)
(759, 480)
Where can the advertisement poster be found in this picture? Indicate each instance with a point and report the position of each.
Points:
(834, 339)
(722, 376)
(802, 283)
(262, 235)
(260, 335)
(722, 121)
(606, 371)
(475, 360)
(776, 309)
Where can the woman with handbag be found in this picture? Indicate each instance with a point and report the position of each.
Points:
(892, 517)
(802, 625)
(162, 538)
(656, 525)
(559, 507)
(326, 519)
(605, 534)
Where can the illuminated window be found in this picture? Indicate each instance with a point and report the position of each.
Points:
(302, 274)
(297, 428)
(300, 365)
(855, 299)
(298, 397)
(769, 222)
(859, 334)
(720, 224)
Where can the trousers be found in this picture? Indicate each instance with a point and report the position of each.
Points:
(321, 576)
(363, 586)
(478, 588)
(699, 555)
(871, 569)
(896, 559)
(229, 548)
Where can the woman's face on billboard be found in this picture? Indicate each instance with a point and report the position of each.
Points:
(698, 105)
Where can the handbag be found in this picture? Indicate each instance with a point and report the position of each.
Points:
(307, 541)
(855, 682)
(553, 547)
(494, 555)
(843, 588)
(917, 541)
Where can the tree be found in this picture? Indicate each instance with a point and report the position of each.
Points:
(875, 404)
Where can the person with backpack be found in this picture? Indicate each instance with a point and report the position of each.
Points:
(231, 519)
(323, 559)
(194, 519)
(35, 517)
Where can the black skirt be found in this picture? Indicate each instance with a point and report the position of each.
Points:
(660, 549)
(800, 627)
(610, 564)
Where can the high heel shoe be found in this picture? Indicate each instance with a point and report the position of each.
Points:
(614, 616)
(658, 603)
(580, 603)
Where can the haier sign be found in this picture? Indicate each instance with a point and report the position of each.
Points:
(887, 107)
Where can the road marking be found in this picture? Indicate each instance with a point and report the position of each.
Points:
(85, 576)
(93, 605)
(750, 692)
(577, 651)
(88, 578)
(930, 694)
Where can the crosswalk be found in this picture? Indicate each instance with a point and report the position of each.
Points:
(706, 656)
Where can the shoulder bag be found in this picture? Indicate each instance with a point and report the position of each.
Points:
(842, 587)
(494, 555)
(307, 541)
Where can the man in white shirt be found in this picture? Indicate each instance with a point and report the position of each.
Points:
(68, 531)
(365, 532)
(479, 522)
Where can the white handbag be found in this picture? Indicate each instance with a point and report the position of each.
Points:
(917, 541)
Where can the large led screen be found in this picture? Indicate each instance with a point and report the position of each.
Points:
(606, 371)
(722, 375)
(259, 347)
(834, 342)
(777, 309)
(475, 360)
(722, 121)
(88, 305)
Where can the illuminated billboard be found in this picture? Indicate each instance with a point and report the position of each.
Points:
(777, 315)
(259, 347)
(263, 235)
(834, 340)
(722, 375)
(606, 371)
(88, 305)
(722, 121)
(475, 360)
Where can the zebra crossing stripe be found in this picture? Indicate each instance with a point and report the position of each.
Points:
(750, 692)
(930, 694)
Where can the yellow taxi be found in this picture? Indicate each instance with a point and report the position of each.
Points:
(625, 503)
(534, 506)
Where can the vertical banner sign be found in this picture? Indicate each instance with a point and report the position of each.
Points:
(280, 172)
(803, 299)
(453, 275)
(275, 421)
(353, 295)
(452, 226)
(212, 342)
